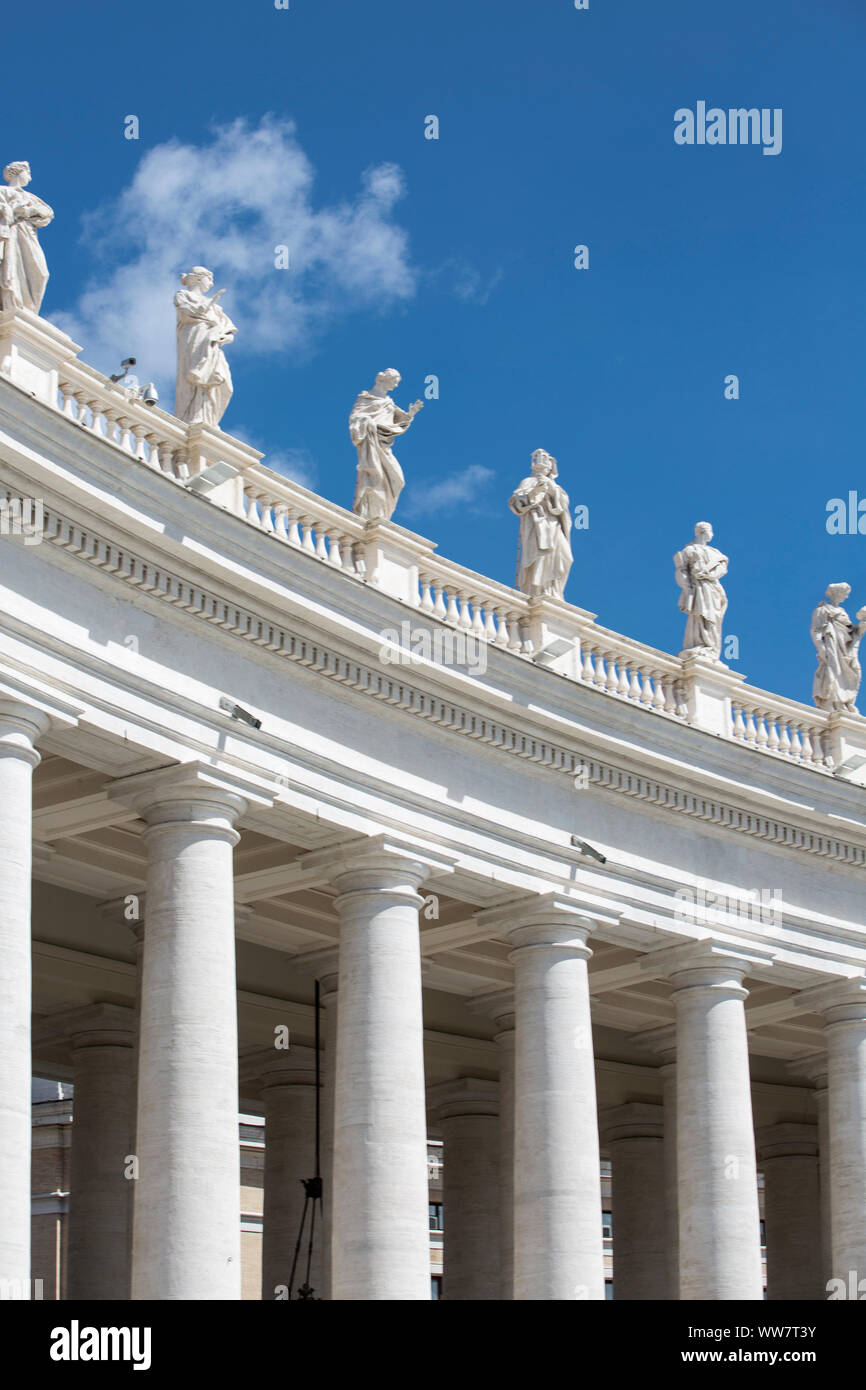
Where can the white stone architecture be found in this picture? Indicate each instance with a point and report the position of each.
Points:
(837, 642)
(544, 547)
(374, 423)
(204, 380)
(700, 569)
(592, 901)
(23, 268)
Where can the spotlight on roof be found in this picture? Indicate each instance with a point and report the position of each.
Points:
(209, 478)
(558, 647)
(587, 849)
(238, 712)
(851, 765)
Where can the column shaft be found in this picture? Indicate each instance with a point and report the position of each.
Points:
(187, 1209)
(846, 1082)
(19, 728)
(558, 1250)
(505, 1040)
(100, 1191)
(720, 1252)
(634, 1138)
(380, 1247)
(290, 1119)
(468, 1113)
(788, 1156)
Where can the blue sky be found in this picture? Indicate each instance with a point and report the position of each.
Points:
(454, 257)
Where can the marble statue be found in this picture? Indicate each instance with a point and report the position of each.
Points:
(544, 547)
(836, 638)
(204, 382)
(374, 424)
(700, 569)
(23, 270)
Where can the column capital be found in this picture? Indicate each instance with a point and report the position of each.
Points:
(295, 1066)
(706, 964)
(660, 1041)
(21, 727)
(787, 1140)
(468, 1095)
(117, 911)
(497, 1004)
(31, 713)
(839, 1001)
(814, 1068)
(323, 965)
(189, 793)
(389, 856)
(91, 1025)
(545, 919)
(635, 1119)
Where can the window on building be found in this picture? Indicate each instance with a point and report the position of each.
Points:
(608, 1288)
(607, 1227)
(435, 1209)
(763, 1236)
(436, 1286)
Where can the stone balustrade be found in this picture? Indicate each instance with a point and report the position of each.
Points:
(631, 671)
(482, 609)
(291, 513)
(775, 725)
(105, 409)
(41, 361)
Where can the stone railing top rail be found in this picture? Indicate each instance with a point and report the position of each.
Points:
(40, 359)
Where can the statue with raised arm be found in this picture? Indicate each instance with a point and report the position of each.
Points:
(836, 638)
(374, 424)
(700, 569)
(204, 382)
(23, 269)
(544, 554)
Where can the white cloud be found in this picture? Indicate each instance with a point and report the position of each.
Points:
(458, 489)
(228, 204)
(298, 465)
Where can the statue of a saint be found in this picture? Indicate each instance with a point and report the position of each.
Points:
(700, 569)
(23, 270)
(836, 638)
(374, 424)
(544, 553)
(204, 382)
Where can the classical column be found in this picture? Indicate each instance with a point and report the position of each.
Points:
(720, 1238)
(815, 1068)
(843, 1007)
(662, 1042)
(20, 727)
(380, 1245)
(788, 1155)
(468, 1112)
(558, 1249)
(500, 1007)
(101, 1186)
(289, 1095)
(187, 1226)
(634, 1134)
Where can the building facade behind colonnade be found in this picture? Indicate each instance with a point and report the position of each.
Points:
(566, 898)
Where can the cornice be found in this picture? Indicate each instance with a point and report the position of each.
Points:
(162, 583)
